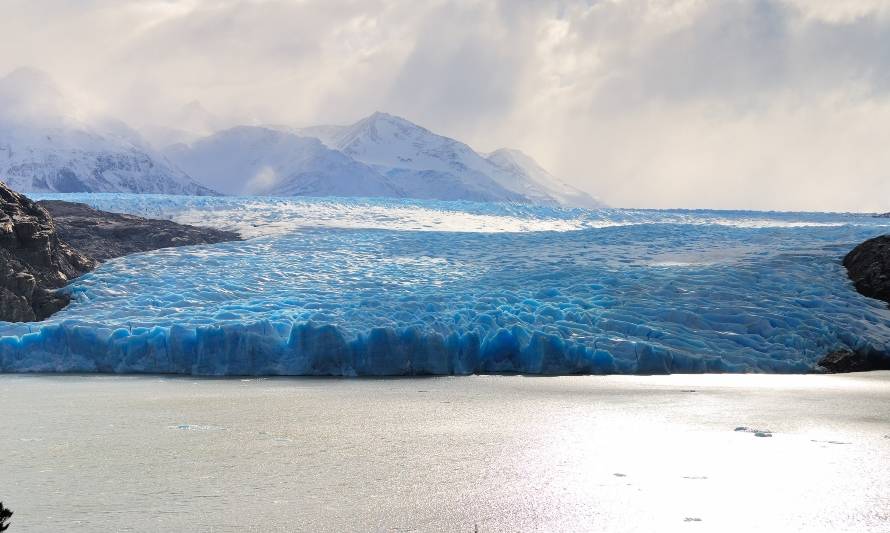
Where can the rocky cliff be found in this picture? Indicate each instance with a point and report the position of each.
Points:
(103, 235)
(34, 262)
(44, 245)
(868, 265)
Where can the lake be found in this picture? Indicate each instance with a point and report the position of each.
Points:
(485, 453)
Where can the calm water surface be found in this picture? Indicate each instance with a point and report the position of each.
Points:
(496, 453)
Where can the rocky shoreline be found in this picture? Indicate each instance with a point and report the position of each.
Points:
(868, 266)
(102, 235)
(45, 245)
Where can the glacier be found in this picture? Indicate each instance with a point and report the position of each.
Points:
(354, 287)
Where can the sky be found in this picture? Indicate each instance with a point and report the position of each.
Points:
(753, 104)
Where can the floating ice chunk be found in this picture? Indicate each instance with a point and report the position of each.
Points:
(197, 427)
(756, 432)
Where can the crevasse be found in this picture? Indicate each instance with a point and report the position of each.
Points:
(385, 287)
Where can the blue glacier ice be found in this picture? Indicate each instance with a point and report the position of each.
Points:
(384, 287)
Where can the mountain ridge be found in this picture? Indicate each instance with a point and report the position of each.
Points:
(256, 160)
(397, 146)
(46, 145)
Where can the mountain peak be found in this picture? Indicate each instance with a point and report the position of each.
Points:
(383, 118)
(513, 156)
(383, 115)
(265, 161)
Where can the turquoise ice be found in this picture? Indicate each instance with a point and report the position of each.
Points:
(386, 287)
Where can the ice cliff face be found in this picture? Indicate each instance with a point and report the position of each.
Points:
(44, 147)
(401, 287)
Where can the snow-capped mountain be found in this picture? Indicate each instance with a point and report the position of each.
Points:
(428, 165)
(261, 161)
(79, 160)
(45, 147)
(421, 163)
(527, 170)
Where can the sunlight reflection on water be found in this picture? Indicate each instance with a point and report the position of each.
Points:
(617, 453)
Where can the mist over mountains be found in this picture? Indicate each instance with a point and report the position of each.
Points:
(47, 145)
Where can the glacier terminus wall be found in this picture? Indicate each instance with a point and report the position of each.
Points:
(390, 287)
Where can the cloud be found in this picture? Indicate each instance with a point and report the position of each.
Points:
(264, 180)
(778, 104)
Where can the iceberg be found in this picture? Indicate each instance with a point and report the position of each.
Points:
(355, 287)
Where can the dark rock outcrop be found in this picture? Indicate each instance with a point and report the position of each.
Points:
(868, 265)
(849, 361)
(34, 262)
(103, 235)
(44, 245)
